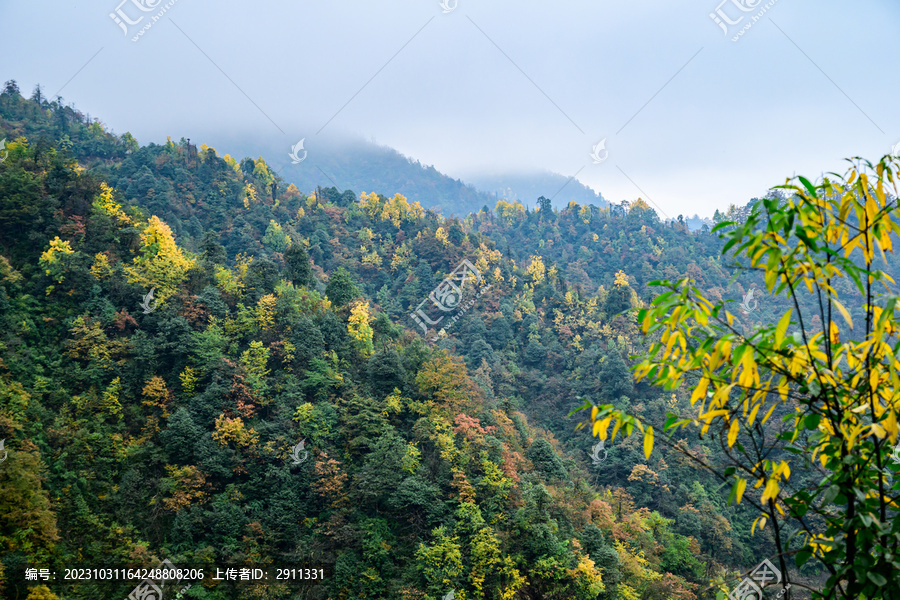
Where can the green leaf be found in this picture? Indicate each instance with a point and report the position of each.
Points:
(809, 187)
(802, 556)
(729, 244)
(887, 312)
(812, 421)
(830, 494)
(877, 579)
(671, 419)
(587, 404)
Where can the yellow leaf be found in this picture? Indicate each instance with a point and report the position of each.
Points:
(601, 426)
(770, 492)
(616, 428)
(672, 339)
(890, 425)
(594, 412)
(741, 484)
(769, 414)
(700, 390)
(762, 524)
(713, 414)
(782, 327)
(753, 412)
(844, 312)
(648, 442)
(747, 377)
(733, 433)
(783, 388)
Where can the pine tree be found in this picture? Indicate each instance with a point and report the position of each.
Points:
(340, 288)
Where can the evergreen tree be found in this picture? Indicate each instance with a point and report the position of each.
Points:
(297, 267)
(213, 252)
(340, 288)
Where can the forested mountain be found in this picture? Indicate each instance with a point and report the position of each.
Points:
(364, 166)
(142, 427)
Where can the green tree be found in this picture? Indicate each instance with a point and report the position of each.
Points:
(616, 377)
(440, 562)
(545, 460)
(27, 521)
(211, 250)
(130, 143)
(275, 237)
(254, 360)
(297, 267)
(546, 207)
(340, 288)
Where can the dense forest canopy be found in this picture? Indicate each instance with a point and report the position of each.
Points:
(204, 364)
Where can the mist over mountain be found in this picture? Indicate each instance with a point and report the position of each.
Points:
(348, 162)
(526, 186)
(363, 166)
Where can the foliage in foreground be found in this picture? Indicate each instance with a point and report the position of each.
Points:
(805, 409)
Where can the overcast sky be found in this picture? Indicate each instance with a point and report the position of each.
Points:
(692, 120)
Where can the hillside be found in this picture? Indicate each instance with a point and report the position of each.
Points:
(143, 428)
(364, 166)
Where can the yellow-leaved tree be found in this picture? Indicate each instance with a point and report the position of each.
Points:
(105, 204)
(536, 269)
(161, 263)
(804, 407)
(359, 328)
(53, 260)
